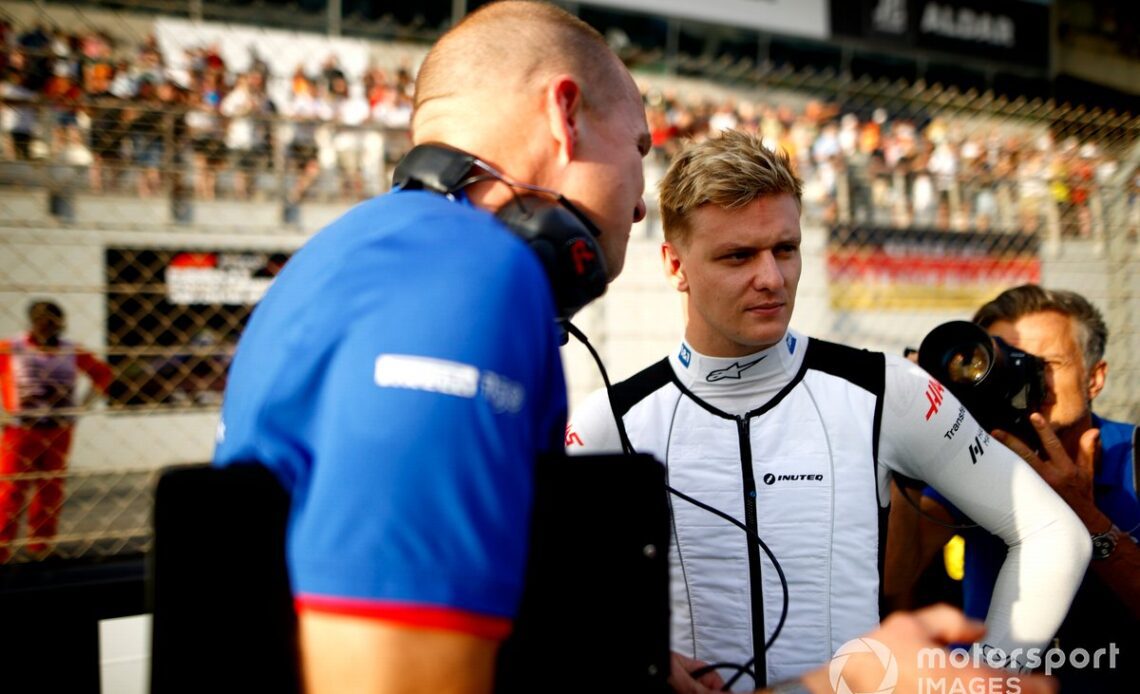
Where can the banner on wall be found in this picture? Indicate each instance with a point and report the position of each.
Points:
(807, 18)
(877, 269)
(174, 317)
(1012, 31)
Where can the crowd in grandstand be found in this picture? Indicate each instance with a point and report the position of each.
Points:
(84, 99)
(111, 107)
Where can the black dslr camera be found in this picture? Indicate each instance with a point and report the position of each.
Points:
(999, 384)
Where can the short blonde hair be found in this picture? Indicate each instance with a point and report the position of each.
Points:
(730, 171)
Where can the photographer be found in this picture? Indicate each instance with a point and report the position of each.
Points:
(796, 439)
(1089, 461)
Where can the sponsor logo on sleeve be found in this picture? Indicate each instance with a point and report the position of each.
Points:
(732, 371)
(572, 438)
(949, 435)
(686, 355)
(978, 447)
(449, 378)
(934, 391)
(504, 394)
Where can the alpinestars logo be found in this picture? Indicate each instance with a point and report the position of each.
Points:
(732, 371)
(771, 479)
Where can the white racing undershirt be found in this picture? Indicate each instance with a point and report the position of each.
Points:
(925, 434)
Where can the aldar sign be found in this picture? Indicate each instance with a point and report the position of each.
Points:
(1011, 31)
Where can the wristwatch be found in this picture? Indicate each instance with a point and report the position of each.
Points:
(1104, 544)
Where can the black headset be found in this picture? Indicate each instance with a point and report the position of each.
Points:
(561, 235)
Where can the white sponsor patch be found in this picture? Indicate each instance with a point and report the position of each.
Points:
(448, 378)
(504, 394)
(424, 373)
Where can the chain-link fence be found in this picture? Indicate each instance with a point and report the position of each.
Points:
(156, 212)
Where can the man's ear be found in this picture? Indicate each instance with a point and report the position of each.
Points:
(1097, 376)
(564, 113)
(674, 267)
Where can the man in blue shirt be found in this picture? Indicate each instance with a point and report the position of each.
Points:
(1089, 461)
(402, 374)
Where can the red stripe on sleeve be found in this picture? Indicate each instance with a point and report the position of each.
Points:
(412, 615)
(8, 392)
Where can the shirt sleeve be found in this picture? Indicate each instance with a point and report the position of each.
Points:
(592, 428)
(927, 434)
(96, 370)
(417, 505)
(8, 394)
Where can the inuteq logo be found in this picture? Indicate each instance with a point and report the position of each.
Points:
(864, 645)
(769, 478)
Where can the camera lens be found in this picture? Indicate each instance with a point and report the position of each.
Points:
(968, 366)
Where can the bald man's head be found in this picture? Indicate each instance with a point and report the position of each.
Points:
(505, 51)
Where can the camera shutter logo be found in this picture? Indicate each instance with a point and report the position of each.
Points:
(864, 645)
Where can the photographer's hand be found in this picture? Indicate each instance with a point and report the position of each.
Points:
(1072, 480)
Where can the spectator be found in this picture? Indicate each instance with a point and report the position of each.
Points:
(306, 113)
(18, 114)
(38, 378)
(350, 112)
(207, 144)
(148, 121)
(247, 108)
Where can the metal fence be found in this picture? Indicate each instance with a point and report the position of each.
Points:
(157, 239)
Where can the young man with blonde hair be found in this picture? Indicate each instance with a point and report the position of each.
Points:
(796, 438)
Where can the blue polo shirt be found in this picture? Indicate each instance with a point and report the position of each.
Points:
(400, 377)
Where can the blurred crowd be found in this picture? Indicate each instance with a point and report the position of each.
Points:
(116, 110)
(918, 171)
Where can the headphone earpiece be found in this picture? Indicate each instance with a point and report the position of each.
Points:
(567, 248)
(561, 235)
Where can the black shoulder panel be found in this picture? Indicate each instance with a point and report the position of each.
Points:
(859, 366)
(638, 386)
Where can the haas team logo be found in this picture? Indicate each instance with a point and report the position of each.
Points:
(934, 391)
(572, 438)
